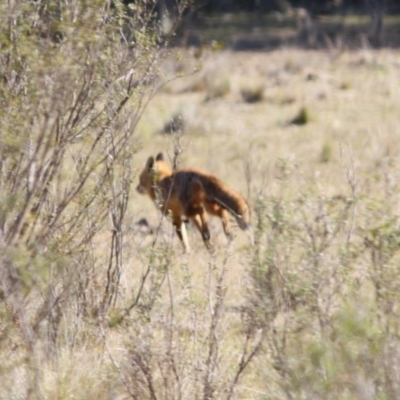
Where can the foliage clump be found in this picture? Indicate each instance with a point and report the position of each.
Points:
(253, 94)
(302, 117)
(176, 124)
(217, 86)
(326, 155)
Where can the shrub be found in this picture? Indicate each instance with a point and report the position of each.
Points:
(252, 94)
(302, 117)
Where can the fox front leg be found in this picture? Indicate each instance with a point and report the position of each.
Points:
(181, 232)
(224, 215)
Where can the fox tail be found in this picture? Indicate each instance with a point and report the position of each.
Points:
(239, 211)
(235, 204)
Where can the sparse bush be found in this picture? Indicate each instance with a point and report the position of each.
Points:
(325, 283)
(302, 118)
(253, 94)
(217, 86)
(326, 153)
(75, 79)
(174, 125)
(293, 66)
(345, 86)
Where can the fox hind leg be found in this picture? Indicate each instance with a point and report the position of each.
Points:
(200, 221)
(224, 215)
(215, 209)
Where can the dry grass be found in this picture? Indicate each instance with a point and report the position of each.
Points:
(352, 128)
(324, 197)
(227, 130)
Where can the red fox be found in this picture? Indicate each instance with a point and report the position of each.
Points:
(192, 193)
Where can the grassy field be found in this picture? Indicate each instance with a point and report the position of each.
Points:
(349, 99)
(329, 182)
(310, 311)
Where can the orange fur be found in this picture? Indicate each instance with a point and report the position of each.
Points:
(192, 193)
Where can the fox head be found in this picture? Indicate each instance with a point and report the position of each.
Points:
(154, 170)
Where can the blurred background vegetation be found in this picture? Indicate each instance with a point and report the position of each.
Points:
(314, 19)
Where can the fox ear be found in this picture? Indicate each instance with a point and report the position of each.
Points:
(160, 157)
(150, 163)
